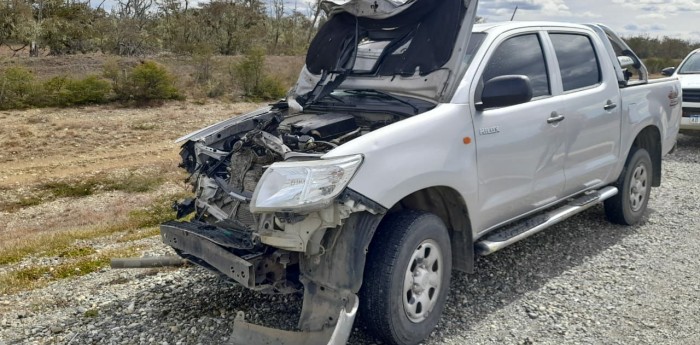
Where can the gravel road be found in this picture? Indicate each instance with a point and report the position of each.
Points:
(584, 281)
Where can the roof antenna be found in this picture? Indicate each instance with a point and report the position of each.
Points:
(514, 11)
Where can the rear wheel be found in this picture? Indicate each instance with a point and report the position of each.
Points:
(407, 277)
(634, 187)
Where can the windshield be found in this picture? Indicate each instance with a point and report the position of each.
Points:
(474, 43)
(691, 65)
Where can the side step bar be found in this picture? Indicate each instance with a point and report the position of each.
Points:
(523, 230)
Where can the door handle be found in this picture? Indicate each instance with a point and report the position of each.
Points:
(555, 117)
(609, 105)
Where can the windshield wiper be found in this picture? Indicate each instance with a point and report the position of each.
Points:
(384, 94)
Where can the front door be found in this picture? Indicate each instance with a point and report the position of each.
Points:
(520, 150)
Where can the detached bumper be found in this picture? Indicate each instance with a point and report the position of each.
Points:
(210, 247)
(249, 334)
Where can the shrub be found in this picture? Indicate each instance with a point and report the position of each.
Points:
(91, 90)
(203, 68)
(17, 87)
(655, 65)
(146, 82)
(253, 80)
(271, 88)
(62, 91)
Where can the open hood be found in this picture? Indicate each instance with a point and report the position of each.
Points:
(414, 48)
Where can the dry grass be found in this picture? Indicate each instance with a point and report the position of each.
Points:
(38, 276)
(130, 183)
(73, 180)
(105, 201)
(75, 142)
(62, 243)
(138, 234)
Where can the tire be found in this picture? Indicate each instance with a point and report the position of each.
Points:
(394, 305)
(634, 187)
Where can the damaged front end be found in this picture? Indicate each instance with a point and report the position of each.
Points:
(269, 214)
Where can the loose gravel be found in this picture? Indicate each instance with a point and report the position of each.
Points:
(584, 281)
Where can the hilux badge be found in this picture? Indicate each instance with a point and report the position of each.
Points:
(489, 130)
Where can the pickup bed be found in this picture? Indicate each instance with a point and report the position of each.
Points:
(413, 142)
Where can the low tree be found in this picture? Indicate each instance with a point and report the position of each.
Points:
(16, 23)
(70, 27)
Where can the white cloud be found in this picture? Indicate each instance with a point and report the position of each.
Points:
(503, 8)
(662, 7)
(674, 18)
(589, 14)
(651, 16)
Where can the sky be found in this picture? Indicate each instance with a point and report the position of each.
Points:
(656, 18)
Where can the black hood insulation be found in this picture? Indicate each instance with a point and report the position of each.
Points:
(431, 26)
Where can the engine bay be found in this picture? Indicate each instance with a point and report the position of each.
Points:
(226, 166)
(225, 172)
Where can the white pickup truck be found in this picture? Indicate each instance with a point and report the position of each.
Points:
(413, 142)
(688, 73)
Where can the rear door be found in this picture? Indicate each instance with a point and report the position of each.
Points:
(520, 151)
(591, 107)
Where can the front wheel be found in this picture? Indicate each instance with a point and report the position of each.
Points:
(634, 187)
(407, 277)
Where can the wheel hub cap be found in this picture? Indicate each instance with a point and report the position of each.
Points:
(638, 187)
(422, 281)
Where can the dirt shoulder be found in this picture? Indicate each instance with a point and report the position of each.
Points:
(44, 144)
(74, 181)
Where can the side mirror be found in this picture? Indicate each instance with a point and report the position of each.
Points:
(668, 71)
(506, 90)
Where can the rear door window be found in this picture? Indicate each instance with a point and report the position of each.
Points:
(578, 62)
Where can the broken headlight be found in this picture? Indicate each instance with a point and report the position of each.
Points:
(303, 186)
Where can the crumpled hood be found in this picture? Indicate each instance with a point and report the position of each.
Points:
(414, 48)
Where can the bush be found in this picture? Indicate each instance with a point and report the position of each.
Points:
(146, 82)
(252, 79)
(91, 90)
(271, 88)
(655, 65)
(17, 87)
(63, 91)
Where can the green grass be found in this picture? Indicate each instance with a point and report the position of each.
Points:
(69, 189)
(35, 277)
(62, 243)
(135, 235)
(131, 183)
(14, 254)
(76, 252)
(21, 203)
(153, 215)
